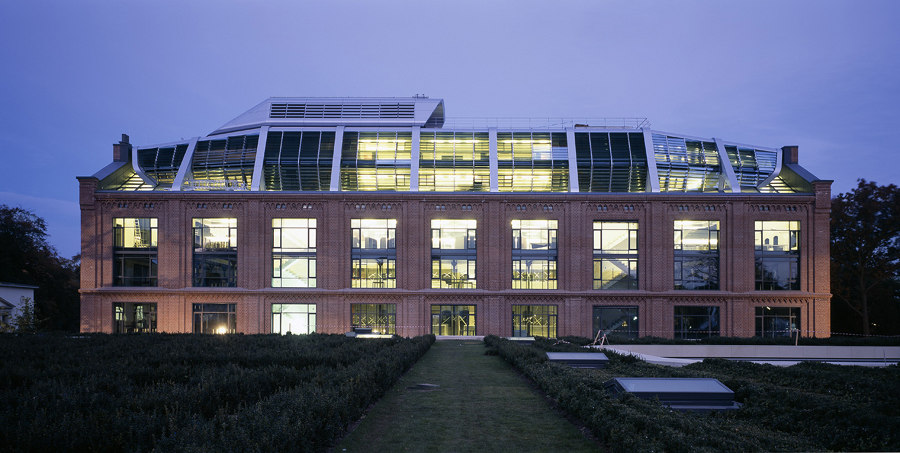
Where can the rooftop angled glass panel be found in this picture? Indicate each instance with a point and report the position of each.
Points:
(751, 166)
(778, 185)
(373, 161)
(299, 161)
(162, 163)
(532, 162)
(125, 180)
(454, 161)
(686, 165)
(611, 162)
(223, 164)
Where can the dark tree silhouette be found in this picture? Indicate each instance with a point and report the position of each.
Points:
(26, 257)
(865, 255)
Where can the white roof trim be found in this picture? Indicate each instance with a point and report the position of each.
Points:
(259, 115)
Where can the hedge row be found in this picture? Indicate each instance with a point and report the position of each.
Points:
(192, 392)
(805, 407)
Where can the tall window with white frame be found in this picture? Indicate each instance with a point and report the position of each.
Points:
(453, 253)
(215, 318)
(135, 253)
(215, 252)
(374, 253)
(293, 318)
(534, 254)
(294, 253)
(615, 255)
(777, 255)
(696, 262)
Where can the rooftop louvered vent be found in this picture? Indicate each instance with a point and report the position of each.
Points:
(285, 110)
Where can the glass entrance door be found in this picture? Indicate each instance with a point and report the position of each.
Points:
(453, 320)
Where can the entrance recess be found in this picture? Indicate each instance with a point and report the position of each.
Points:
(453, 320)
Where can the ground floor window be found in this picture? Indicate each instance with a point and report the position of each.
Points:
(453, 319)
(134, 317)
(618, 321)
(534, 321)
(777, 321)
(381, 318)
(293, 318)
(696, 322)
(215, 318)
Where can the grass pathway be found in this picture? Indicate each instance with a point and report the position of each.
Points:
(481, 405)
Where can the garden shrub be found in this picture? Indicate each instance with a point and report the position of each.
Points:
(804, 407)
(192, 392)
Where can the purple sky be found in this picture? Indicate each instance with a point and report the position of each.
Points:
(824, 75)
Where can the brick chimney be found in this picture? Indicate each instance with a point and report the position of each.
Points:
(122, 150)
(791, 154)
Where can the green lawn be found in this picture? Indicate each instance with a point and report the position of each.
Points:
(481, 405)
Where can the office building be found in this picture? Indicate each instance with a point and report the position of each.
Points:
(329, 214)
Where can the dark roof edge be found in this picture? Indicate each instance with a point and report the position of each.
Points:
(802, 172)
(18, 285)
(109, 169)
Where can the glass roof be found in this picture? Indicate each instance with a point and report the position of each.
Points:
(379, 144)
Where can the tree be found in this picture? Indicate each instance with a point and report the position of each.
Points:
(26, 321)
(26, 257)
(865, 254)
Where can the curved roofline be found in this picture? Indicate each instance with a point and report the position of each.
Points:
(419, 115)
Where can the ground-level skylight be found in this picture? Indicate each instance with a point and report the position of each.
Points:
(701, 394)
(579, 359)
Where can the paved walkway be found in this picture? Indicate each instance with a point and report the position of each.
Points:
(778, 355)
(481, 405)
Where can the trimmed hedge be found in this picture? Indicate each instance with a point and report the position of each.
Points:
(805, 407)
(192, 392)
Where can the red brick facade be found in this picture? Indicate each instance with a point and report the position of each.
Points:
(413, 296)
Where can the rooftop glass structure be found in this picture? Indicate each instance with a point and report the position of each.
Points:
(405, 145)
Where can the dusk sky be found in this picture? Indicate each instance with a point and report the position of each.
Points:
(824, 75)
